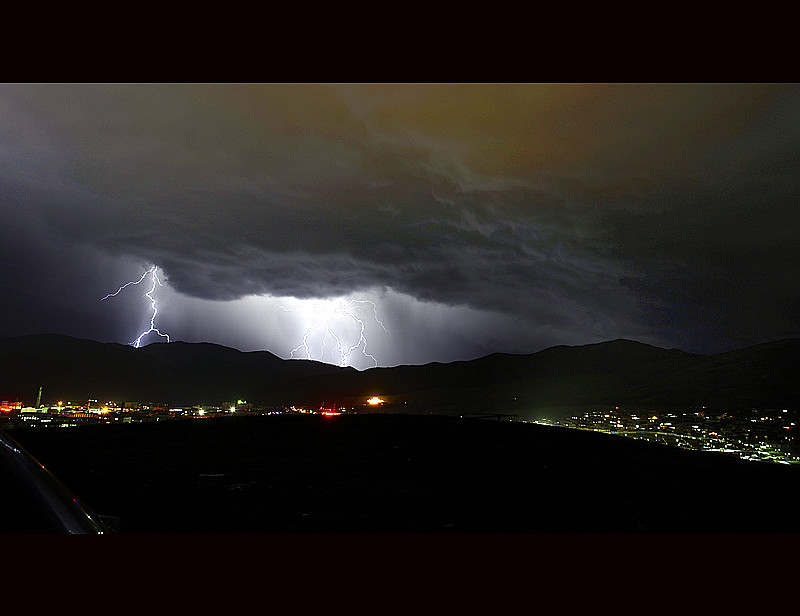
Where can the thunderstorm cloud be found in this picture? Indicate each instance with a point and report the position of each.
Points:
(505, 217)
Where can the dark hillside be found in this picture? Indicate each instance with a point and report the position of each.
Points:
(172, 373)
(206, 373)
(762, 376)
(608, 373)
(77, 369)
(595, 373)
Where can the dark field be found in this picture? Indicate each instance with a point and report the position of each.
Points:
(406, 474)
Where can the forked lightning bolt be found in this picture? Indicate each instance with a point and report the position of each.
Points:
(326, 317)
(153, 271)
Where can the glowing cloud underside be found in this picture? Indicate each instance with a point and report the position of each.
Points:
(335, 322)
(333, 330)
(375, 328)
(153, 271)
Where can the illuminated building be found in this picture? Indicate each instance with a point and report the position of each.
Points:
(9, 409)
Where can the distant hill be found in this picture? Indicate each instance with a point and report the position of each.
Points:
(619, 372)
(170, 373)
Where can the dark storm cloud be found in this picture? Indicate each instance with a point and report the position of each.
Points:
(664, 212)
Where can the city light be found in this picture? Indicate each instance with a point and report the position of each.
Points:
(719, 432)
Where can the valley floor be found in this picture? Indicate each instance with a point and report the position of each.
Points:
(407, 474)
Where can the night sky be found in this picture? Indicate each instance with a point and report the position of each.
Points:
(452, 220)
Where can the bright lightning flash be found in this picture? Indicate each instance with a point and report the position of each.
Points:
(325, 319)
(153, 271)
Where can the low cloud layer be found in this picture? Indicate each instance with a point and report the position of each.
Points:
(663, 213)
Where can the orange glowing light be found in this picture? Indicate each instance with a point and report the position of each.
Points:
(375, 400)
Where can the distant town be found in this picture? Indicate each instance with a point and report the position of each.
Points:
(764, 435)
(65, 414)
(768, 435)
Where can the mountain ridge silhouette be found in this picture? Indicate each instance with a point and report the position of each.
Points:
(618, 372)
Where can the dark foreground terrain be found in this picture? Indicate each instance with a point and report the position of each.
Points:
(404, 473)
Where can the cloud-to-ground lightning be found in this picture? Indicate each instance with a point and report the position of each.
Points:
(153, 271)
(324, 319)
